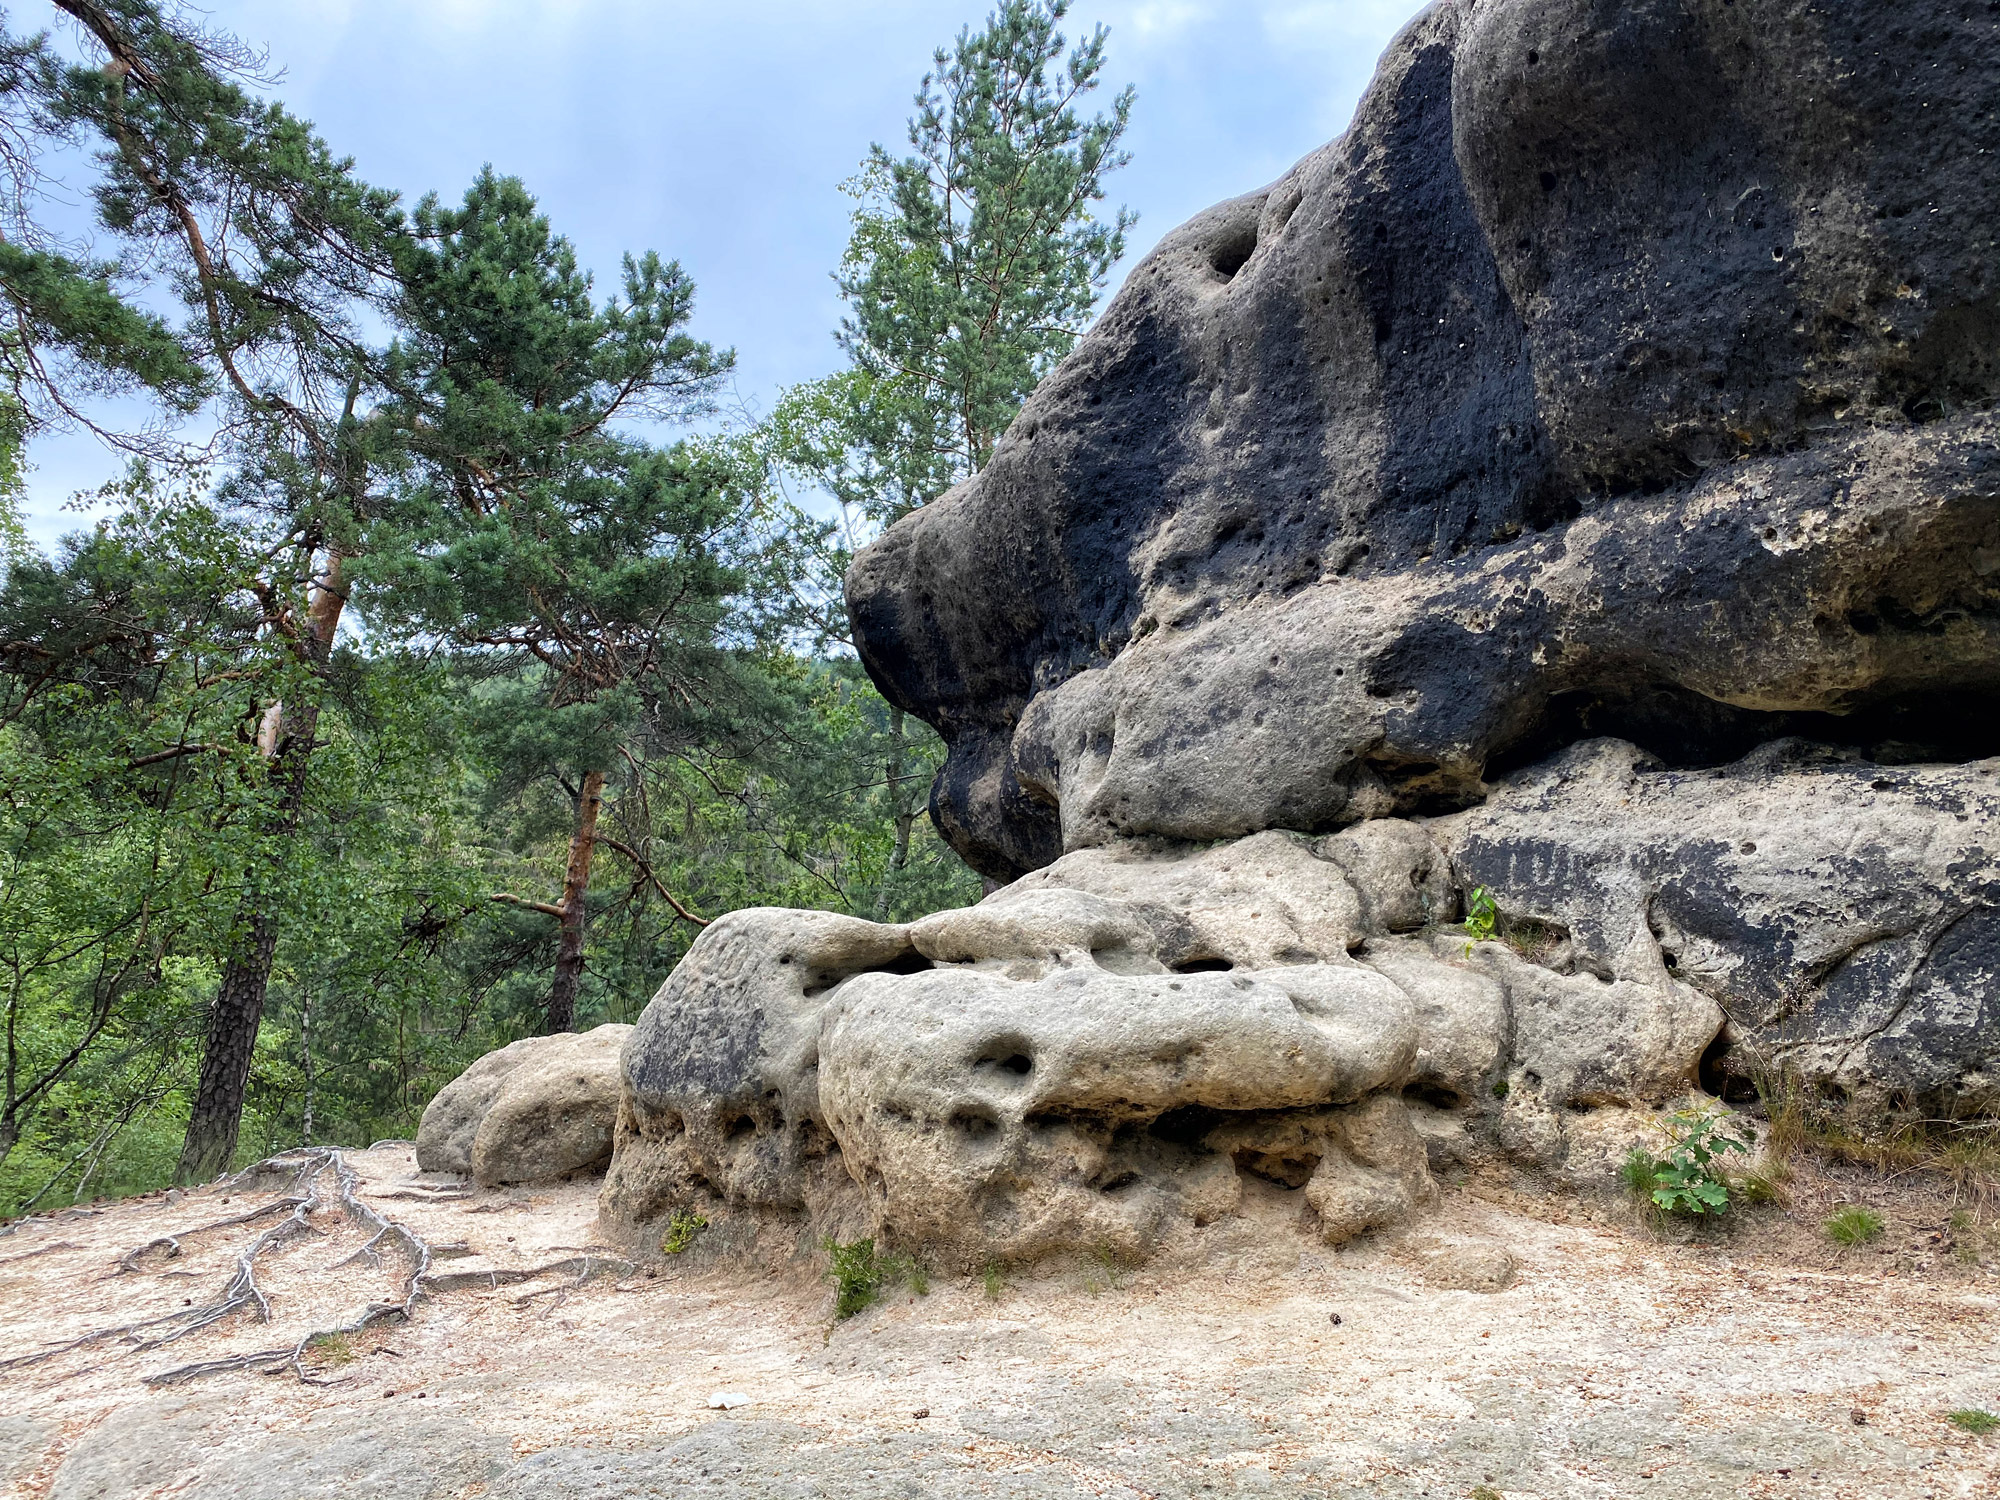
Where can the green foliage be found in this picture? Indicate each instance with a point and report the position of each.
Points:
(1480, 915)
(994, 1276)
(1638, 1171)
(1853, 1226)
(682, 1228)
(859, 1271)
(975, 261)
(197, 746)
(1974, 1420)
(1688, 1177)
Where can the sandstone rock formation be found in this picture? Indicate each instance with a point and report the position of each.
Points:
(1580, 482)
(1625, 369)
(1115, 1049)
(535, 1109)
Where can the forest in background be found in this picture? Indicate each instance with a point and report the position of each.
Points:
(446, 659)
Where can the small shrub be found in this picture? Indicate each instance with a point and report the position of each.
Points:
(681, 1231)
(1480, 916)
(1688, 1179)
(1484, 1492)
(1971, 1419)
(1500, 1089)
(859, 1272)
(996, 1280)
(1854, 1226)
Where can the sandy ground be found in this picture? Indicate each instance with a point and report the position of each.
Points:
(1757, 1362)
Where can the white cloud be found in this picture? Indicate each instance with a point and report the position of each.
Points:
(1333, 26)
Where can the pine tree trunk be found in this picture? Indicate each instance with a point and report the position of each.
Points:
(576, 890)
(231, 1042)
(902, 816)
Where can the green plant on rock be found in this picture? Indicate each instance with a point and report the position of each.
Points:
(1973, 1420)
(681, 1231)
(1687, 1178)
(995, 1276)
(1481, 917)
(1854, 1226)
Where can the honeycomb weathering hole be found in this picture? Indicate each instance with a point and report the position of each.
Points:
(1203, 966)
(1233, 251)
(1006, 1055)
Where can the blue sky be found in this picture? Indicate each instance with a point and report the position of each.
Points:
(718, 134)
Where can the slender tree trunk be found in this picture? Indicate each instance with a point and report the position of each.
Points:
(576, 891)
(901, 813)
(233, 1020)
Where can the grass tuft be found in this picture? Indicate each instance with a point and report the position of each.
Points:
(1854, 1226)
(859, 1272)
(1971, 1419)
(1804, 1121)
(1637, 1172)
(333, 1348)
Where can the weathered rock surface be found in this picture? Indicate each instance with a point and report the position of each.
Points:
(1845, 914)
(1116, 1049)
(1624, 369)
(536, 1108)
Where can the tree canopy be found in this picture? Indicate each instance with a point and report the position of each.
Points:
(446, 660)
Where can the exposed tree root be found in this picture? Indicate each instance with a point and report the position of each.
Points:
(8, 1260)
(171, 1243)
(241, 1291)
(418, 1195)
(320, 1178)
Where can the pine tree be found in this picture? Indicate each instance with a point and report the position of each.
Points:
(973, 266)
(584, 571)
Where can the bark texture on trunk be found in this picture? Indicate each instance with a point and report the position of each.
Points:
(231, 1040)
(576, 891)
(902, 814)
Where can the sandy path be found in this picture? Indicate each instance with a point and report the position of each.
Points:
(1615, 1365)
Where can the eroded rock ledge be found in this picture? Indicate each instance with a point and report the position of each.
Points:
(1625, 369)
(1113, 1050)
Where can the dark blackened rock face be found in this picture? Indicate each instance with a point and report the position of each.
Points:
(1626, 369)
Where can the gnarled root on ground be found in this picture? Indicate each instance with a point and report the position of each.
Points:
(320, 1178)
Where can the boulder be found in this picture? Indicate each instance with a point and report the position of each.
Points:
(537, 1108)
(1624, 369)
(722, 1070)
(1110, 1053)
